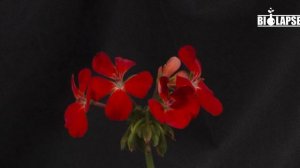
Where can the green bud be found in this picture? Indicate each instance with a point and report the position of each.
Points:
(155, 140)
(134, 126)
(140, 129)
(162, 146)
(155, 129)
(123, 142)
(169, 132)
(147, 134)
(131, 141)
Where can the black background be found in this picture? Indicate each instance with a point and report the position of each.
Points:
(254, 71)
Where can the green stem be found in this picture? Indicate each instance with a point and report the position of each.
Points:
(148, 151)
(149, 157)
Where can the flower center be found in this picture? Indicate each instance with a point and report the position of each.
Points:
(119, 84)
(196, 81)
(82, 100)
(167, 104)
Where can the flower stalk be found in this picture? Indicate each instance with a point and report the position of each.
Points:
(149, 157)
(148, 150)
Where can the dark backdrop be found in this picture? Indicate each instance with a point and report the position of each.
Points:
(254, 71)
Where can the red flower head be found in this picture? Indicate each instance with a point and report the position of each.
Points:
(176, 107)
(207, 100)
(75, 114)
(119, 104)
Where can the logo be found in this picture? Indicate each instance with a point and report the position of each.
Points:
(278, 20)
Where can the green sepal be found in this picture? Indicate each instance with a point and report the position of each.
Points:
(134, 126)
(162, 146)
(147, 134)
(131, 141)
(139, 130)
(123, 141)
(169, 132)
(155, 140)
(156, 131)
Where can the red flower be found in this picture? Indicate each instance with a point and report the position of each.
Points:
(207, 100)
(75, 114)
(119, 104)
(175, 108)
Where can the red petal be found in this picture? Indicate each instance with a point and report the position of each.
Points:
(187, 55)
(123, 65)
(181, 81)
(138, 85)
(181, 96)
(84, 78)
(75, 90)
(100, 87)
(186, 100)
(202, 85)
(103, 65)
(178, 118)
(193, 106)
(118, 106)
(163, 87)
(209, 102)
(156, 110)
(76, 120)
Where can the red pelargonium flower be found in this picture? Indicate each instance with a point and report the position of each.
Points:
(75, 114)
(207, 100)
(175, 108)
(119, 104)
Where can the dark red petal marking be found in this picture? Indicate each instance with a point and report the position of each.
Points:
(187, 55)
(164, 89)
(84, 78)
(103, 65)
(181, 96)
(123, 65)
(100, 87)
(76, 120)
(186, 99)
(138, 85)
(118, 106)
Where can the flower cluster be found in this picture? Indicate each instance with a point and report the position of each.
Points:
(178, 96)
(109, 82)
(182, 94)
